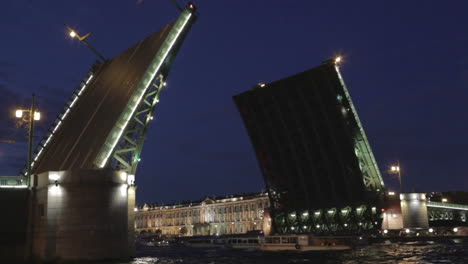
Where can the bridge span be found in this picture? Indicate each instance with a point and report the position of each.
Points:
(80, 197)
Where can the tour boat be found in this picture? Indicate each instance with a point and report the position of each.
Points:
(242, 242)
(235, 242)
(304, 243)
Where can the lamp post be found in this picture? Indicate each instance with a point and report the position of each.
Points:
(82, 39)
(32, 116)
(395, 169)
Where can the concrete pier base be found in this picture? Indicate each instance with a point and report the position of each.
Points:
(81, 215)
(414, 210)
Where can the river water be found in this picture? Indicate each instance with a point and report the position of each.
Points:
(448, 252)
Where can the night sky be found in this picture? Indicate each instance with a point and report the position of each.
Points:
(405, 64)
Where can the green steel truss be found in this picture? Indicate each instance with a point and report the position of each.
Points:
(128, 151)
(122, 148)
(13, 182)
(443, 212)
(370, 171)
(326, 221)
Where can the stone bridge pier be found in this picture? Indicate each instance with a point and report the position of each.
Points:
(79, 215)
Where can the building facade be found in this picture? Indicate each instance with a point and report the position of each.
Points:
(230, 215)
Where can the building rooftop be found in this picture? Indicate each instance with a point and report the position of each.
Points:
(206, 200)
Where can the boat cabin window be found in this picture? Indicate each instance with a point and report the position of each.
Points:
(273, 240)
(289, 240)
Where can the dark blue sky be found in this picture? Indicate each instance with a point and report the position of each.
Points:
(406, 65)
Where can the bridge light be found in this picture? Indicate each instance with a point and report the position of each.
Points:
(19, 113)
(338, 59)
(37, 116)
(131, 179)
(72, 34)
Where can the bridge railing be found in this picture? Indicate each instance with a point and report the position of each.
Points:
(58, 121)
(13, 182)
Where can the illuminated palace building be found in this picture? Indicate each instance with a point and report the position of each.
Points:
(229, 215)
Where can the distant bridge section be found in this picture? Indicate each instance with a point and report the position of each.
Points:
(447, 213)
(13, 182)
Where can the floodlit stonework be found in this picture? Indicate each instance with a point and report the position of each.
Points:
(230, 215)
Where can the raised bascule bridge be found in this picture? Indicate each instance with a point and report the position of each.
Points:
(318, 165)
(81, 191)
(313, 152)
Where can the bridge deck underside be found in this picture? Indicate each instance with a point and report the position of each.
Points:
(79, 139)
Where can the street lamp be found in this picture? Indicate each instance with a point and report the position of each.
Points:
(33, 115)
(395, 169)
(82, 39)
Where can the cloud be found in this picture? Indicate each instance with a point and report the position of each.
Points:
(9, 101)
(5, 71)
(437, 152)
(12, 157)
(225, 155)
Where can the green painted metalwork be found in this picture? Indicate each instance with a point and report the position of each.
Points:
(448, 206)
(443, 212)
(123, 126)
(13, 182)
(128, 151)
(370, 171)
(329, 220)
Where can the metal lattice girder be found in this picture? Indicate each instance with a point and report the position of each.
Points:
(158, 65)
(127, 153)
(370, 171)
(323, 221)
(447, 212)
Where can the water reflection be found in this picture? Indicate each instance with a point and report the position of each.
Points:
(392, 253)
